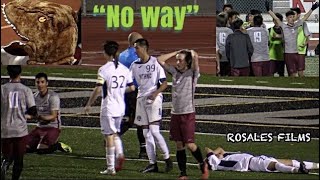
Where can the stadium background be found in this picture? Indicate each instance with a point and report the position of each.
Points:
(198, 32)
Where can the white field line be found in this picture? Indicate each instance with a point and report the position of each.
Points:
(134, 129)
(198, 85)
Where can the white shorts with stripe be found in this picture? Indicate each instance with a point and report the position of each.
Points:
(261, 163)
(110, 125)
(148, 112)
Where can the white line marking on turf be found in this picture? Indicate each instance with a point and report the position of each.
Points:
(262, 82)
(317, 174)
(297, 83)
(134, 129)
(226, 80)
(198, 85)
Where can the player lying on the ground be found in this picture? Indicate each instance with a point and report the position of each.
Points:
(219, 159)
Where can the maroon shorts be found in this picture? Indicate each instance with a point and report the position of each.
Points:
(13, 147)
(182, 127)
(240, 71)
(261, 68)
(292, 62)
(50, 136)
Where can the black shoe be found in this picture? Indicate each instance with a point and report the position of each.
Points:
(303, 169)
(169, 165)
(150, 168)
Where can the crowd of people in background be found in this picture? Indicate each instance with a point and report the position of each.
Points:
(248, 48)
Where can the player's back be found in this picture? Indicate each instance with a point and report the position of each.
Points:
(221, 35)
(113, 89)
(259, 38)
(16, 98)
(147, 75)
(235, 162)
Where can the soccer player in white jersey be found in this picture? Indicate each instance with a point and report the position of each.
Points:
(219, 159)
(151, 80)
(114, 79)
(16, 103)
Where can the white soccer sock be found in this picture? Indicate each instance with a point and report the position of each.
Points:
(150, 146)
(110, 157)
(283, 168)
(118, 145)
(155, 130)
(311, 165)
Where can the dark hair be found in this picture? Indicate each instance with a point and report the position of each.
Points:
(142, 42)
(254, 12)
(111, 49)
(188, 57)
(227, 5)
(289, 13)
(296, 9)
(237, 24)
(258, 20)
(221, 20)
(14, 71)
(232, 13)
(42, 75)
(279, 16)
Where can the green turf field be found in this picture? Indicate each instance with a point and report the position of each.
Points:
(82, 72)
(87, 158)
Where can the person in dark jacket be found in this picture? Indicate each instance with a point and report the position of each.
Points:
(239, 50)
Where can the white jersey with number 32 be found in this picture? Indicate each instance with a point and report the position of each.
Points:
(114, 81)
(147, 75)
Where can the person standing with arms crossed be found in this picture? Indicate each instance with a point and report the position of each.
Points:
(17, 103)
(182, 125)
(127, 57)
(114, 79)
(151, 80)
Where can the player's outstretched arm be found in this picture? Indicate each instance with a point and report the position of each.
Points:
(97, 90)
(267, 5)
(314, 7)
(195, 61)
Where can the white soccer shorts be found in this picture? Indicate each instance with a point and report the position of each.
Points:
(148, 112)
(110, 125)
(261, 163)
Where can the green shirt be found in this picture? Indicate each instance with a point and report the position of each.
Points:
(276, 50)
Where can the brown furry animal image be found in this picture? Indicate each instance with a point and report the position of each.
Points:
(48, 30)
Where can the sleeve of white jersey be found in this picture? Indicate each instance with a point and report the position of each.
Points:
(161, 73)
(100, 79)
(129, 78)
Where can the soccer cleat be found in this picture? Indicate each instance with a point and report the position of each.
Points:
(150, 168)
(65, 148)
(303, 169)
(120, 161)
(109, 171)
(169, 165)
(204, 170)
(4, 168)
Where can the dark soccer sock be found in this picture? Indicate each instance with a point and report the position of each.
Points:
(182, 161)
(198, 155)
(17, 167)
(124, 127)
(141, 138)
